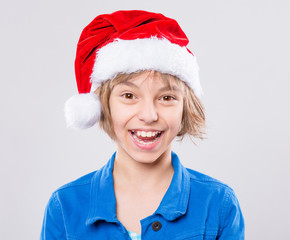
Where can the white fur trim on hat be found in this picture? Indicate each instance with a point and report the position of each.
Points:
(82, 110)
(127, 56)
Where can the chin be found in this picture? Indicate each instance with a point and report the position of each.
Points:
(147, 157)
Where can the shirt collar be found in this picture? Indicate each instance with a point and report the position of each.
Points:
(175, 201)
(103, 201)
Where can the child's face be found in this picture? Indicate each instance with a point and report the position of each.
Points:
(146, 116)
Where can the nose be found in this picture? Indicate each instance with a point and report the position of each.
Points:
(148, 112)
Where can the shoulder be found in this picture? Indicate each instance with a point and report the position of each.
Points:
(197, 178)
(209, 193)
(72, 197)
(210, 190)
(79, 182)
(212, 194)
(216, 203)
(75, 191)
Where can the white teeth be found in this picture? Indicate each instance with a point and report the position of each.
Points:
(143, 134)
(146, 134)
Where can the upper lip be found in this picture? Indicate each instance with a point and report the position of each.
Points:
(145, 130)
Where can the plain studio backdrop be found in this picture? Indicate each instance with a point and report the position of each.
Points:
(243, 52)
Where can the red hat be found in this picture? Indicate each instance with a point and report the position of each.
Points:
(126, 42)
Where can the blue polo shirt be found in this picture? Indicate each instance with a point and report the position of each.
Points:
(195, 206)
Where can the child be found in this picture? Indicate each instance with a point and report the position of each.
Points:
(137, 79)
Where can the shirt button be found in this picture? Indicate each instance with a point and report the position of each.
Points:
(156, 226)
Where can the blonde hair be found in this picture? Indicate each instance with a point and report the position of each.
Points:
(193, 117)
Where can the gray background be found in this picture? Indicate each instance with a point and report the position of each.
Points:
(243, 53)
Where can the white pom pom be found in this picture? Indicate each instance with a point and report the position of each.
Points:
(82, 110)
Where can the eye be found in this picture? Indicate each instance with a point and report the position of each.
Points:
(168, 98)
(128, 96)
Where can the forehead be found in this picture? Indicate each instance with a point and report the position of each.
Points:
(149, 78)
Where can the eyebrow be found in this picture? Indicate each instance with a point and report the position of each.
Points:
(130, 84)
(166, 88)
(169, 88)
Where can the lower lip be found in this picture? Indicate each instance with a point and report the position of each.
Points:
(147, 146)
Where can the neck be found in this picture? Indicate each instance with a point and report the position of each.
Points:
(130, 173)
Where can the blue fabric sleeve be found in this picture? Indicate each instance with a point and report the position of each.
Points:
(233, 227)
(53, 225)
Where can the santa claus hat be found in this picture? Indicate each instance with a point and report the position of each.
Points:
(126, 42)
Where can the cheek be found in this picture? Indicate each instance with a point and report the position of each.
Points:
(178, 117)
(176, 122)
(120, 116)
(173, 117)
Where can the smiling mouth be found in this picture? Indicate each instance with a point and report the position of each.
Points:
(148, 137)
